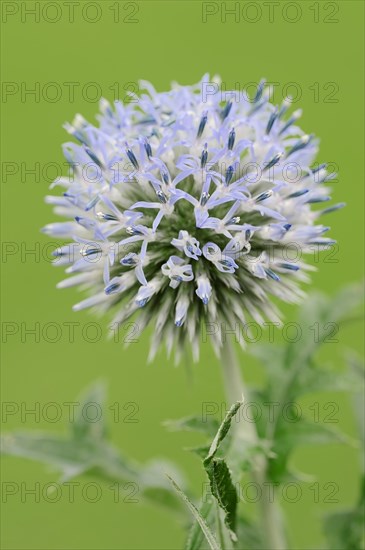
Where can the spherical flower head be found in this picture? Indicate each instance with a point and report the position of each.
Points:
(190, 210)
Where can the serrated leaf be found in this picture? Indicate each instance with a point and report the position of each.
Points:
(211, 539)
(224, 491)
(219, 475)
(222, 431)
(196, 537)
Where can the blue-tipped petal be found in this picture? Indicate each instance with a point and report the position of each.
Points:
(231, 139)
(270, 273)
(202, 124)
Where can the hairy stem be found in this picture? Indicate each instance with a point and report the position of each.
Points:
(245, 433)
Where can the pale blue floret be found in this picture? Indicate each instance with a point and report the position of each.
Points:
(223, 262)
(187, 244)
(181, 310)
(145, 293)
(177, 271)
(204, 290)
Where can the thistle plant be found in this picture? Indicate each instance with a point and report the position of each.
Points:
(184, 209)
(190, 209)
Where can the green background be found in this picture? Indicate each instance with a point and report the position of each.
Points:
(170, 42)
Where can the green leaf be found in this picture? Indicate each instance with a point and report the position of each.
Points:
(290, 367)
(306, 432)
(224, 491)
(86, 451)
(291, 436)
(292, 371)
(211, 539)
(196, 537)
(59, 452)
(219, 475)
(222, 431)
(319, 318)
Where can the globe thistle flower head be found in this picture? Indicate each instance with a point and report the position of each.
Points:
(188, 209)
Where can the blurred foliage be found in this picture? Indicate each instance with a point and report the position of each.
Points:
(292, 370)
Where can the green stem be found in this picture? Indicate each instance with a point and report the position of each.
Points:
(245, 433)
